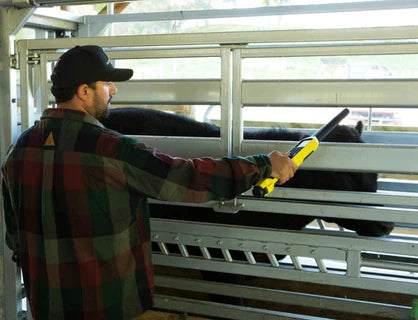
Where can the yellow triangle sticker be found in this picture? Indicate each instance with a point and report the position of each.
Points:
(49, 142)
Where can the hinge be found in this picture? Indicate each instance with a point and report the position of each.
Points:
(14, 61)
(228, 206)
(34, 58)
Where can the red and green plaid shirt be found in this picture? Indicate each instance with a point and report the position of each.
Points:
(75, 199)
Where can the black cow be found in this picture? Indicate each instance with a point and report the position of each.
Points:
(142, 121)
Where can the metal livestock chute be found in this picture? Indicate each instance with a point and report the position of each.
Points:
(334, 269)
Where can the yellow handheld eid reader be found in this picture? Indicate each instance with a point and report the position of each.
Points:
(300, 152)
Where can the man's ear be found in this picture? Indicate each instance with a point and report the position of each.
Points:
(83, 92)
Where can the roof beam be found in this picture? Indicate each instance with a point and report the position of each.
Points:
(252, 12)
(48, 3)
(48, 18)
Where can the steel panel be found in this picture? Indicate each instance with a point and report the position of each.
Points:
(286, 297)
(165, 92)
(405, 287)
(339, 156)
(264, 240)
(328, 49)
(359, 212)
(344, 93)
(292, 238)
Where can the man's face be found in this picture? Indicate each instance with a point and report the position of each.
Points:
(103, 94)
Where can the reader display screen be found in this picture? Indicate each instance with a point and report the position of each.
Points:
(304, 143)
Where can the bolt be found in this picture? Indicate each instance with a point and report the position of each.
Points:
(176, 238)
(219, 243)
(198, 240)
(289, 249)
(313, 252)
(155, 236)
(241, 245)
(265, 247)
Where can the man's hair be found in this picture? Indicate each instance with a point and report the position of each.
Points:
(67, 93)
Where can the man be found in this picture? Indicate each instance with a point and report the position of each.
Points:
(75, 197)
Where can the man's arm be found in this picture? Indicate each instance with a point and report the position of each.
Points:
(163, 177)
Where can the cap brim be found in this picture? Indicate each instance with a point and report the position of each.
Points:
(120, 75)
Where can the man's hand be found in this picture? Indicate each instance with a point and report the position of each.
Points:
(282, 167)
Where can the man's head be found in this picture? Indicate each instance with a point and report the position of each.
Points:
(84, 66)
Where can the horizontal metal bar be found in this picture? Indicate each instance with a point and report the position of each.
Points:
(389, 265)
(347, 156)
(48, 18)
(346, 93)
(39, 21)
(166, 92)
(253, 12)
(395, 138)
(232, 38)
(330, 49)
(379, 198)
(49, 3)
(403, 215)
(396, 185)
(286, 297)
(169, 92)
(225, 311)
(189, 52)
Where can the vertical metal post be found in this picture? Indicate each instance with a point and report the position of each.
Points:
(44, 101)
(8, 290)
(353, 263)
(226, 101)
(39, 86)
(8, 97)
(26, 97)
(11, 21)
(110, 10)
(369, 119)
(237, 122)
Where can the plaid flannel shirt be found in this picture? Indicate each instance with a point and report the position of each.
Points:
(75, 199)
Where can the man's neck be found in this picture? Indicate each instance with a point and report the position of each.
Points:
(69, 105)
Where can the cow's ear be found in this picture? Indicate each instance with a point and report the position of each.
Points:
(359, 127)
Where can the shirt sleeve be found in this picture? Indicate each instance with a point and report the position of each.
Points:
(163, 177)
(9, 218)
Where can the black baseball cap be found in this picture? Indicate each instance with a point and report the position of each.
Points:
(86, 64)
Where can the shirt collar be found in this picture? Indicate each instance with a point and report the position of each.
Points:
(61, 113)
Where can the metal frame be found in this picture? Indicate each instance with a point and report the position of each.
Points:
(400, 35)
(298, 245)
(46, 18)
(10, 23)
(271, 242)
(318, 245)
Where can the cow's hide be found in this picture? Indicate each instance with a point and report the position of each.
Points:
(141, 121)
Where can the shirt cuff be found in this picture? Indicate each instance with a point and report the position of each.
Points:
(264, 165)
